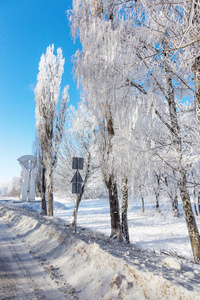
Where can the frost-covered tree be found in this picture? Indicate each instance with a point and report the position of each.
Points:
(141, 48)
(166, 60)
(14, 189)
(87, 19)
(50, 121)
(79, 141)
(102, 69)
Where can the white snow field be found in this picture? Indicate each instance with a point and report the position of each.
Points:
(156, 265)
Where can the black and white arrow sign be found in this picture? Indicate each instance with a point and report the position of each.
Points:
(77, 178)
(77, 163)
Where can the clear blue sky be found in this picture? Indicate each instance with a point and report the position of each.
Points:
(27, 28)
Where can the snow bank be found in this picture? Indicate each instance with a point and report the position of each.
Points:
(98, 268)
(172, 263)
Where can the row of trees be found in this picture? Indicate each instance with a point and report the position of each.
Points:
(138, 65)
(138, 125)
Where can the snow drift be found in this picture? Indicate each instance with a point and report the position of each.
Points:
(99, 268)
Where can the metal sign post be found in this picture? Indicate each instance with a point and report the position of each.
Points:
(77, 163)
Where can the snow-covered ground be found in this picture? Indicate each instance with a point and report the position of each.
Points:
(149, 230)
(99, 268)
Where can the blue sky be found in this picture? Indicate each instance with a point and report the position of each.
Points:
(27, 28)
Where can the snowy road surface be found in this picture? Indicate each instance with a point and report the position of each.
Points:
(21, 276)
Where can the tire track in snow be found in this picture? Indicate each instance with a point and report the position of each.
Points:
(21, 276)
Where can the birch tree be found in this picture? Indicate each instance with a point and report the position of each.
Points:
(102, 70)
(166, 57)
(49, 121)
(142, 47)
(86, 18)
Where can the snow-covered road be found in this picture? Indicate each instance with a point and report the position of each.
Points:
(21, 276)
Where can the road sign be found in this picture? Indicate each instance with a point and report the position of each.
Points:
(77, 163)
(76, 188)
(80, 163)
(77, 178)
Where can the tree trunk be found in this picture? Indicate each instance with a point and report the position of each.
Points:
(199, 202)
(195, 209)
(124, 211)
(75, 212)
(142, 204)
(50, 202)
(142, 198)
(157, 192)
(157, 202)
(50, 192)
(185, 197)
(111, 182)
(114, 209)
(44, 203)
(190, 219)
(175, 205)
(196, 65)
(175, 197)
(195, 206)
(173, 194)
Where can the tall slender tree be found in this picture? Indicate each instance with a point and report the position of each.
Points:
(86, 17)
(50, 122)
